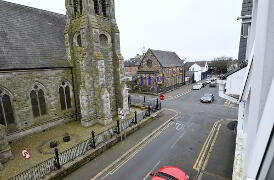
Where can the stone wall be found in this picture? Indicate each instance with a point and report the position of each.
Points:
(93, 48)
(19, 84)
(5, 150)
(172, 75)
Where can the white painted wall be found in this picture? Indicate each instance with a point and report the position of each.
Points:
(198, 71)
(234, 82)
(197, 76)
(255, 119)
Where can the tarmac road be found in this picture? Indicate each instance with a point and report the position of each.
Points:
(182, 143)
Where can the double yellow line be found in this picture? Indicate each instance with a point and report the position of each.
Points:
(207, 148)
(128, 155)
(138, 150)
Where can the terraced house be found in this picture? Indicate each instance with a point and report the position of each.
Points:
(160, 71)
(56, 68)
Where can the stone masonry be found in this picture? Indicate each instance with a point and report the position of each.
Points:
(5, 150)
(92, 42)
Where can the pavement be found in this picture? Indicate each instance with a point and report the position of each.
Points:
(196, 140)
(38, 145)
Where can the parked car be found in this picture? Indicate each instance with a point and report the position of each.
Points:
(212, 84)
(197, 87)
(169, 172)
(207, 98)
(204, 84)
(201, 84)
(208, 81)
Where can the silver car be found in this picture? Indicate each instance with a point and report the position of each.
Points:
(207, 98)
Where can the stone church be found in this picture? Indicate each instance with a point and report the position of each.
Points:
(57, 68)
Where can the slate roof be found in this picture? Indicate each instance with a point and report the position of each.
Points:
(31, 38)
(224, 76)
(247, 7)
(133, 62)
(167, 58)
(200, 63)
(246, 10)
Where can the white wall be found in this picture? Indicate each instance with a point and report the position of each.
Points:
(197, 76)
(234, 82)
(197, 72)
(257, 97)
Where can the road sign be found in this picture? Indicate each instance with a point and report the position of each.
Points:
(122, 115)
(162, 97)
(26, 154)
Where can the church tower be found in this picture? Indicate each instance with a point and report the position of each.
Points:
(92, 41)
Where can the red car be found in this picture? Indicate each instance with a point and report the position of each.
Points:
(169, 173)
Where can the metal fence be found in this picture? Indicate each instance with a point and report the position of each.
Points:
(52, 164)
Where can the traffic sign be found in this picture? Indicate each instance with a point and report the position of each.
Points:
(122, 115)
(162, 97)
(26, 154)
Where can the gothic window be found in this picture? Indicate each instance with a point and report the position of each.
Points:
(149, 81)
(104, 7)
(149, 63)
(6, 111)
(81, 6)
(103, 40)
(79, 41)
(75, 6)
(142, 81)
(96, 6)
(65, 99)
(38, 102)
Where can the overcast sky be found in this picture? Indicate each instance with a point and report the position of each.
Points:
(194, 29)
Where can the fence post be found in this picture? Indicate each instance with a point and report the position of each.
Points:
(118, 127)
(160, 105)
(136, 117)
(93, 139)
(57, 162)
(148, 110)
(129, 99)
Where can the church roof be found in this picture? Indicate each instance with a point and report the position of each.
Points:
(31, 38)
(167, 58)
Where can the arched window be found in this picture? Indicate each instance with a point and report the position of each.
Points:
(75, 6)
(149, 81)
(96, 6)
(81, 6)
(142, 81)
(6, 111)
(38, 102)
(103, 40)
(65, 99)
(104, 7)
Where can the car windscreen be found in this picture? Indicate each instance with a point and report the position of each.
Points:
(207, 95)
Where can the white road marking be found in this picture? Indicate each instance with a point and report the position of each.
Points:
(135, 147)
(148, 174)
(177, 141)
